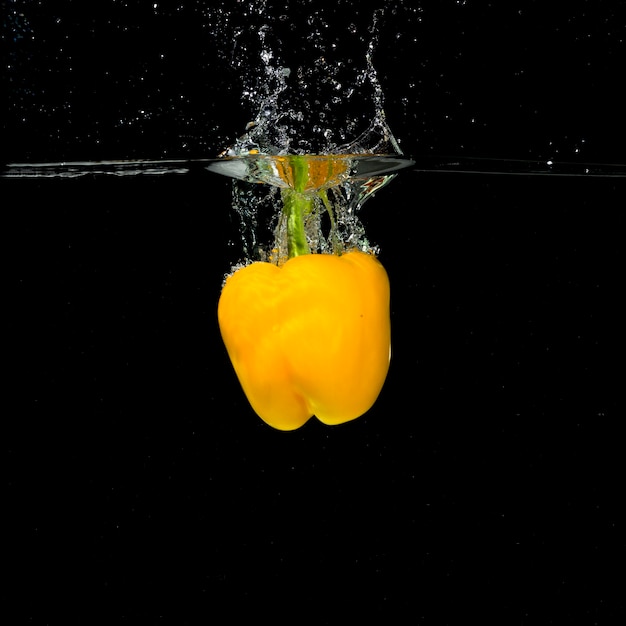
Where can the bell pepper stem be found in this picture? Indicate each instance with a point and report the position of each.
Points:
(299, 202)
(295, 206)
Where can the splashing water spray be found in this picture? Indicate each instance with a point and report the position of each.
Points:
(305, 319)
(312, 154)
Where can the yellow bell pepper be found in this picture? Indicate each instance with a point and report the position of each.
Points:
(311, 336)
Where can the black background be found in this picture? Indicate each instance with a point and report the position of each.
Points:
(485, 485)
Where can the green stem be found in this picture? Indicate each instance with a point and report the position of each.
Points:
(300, 173)
(297, 204)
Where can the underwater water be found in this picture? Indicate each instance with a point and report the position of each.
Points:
(486, 479)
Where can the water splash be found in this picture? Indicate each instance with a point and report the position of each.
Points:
(322, 104)
(313, 90)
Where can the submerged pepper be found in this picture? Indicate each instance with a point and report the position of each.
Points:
(311, 336)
